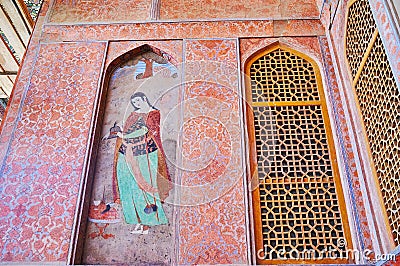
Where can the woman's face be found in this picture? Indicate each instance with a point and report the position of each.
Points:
(138, 102)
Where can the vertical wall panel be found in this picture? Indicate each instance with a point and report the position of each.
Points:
(42, 172)
(212, 227)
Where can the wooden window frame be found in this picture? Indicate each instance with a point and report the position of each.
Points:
(255, 194)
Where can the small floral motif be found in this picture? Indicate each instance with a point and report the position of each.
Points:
(191, 9)
(212, 231)
(45, 161)
(107, 10)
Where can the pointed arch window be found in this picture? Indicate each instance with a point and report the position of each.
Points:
(298, 206)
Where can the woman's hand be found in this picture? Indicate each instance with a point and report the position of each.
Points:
(120, 135)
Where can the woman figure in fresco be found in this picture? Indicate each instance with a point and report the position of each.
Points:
(142, 176)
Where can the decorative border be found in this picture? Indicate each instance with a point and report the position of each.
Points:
(182, 30)
(346, 151)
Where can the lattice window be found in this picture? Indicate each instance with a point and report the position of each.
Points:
(298, 204)
(379, 102)
(296, 83)
(360, 27)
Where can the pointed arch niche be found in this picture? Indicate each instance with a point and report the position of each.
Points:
(127, 211)
(299, 213)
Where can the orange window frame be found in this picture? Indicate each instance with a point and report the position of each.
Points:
(252, 138)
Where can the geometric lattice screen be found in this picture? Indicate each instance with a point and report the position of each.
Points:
(379, 101)
(298, 206)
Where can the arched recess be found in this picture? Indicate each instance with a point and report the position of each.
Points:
(145, 69)
(375, 99)
(299, 213)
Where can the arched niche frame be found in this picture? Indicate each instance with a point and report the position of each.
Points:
(265, 115)
(79, 233)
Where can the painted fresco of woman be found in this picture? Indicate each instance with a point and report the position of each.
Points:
(143, 180)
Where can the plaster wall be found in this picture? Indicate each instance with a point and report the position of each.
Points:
(48, 134)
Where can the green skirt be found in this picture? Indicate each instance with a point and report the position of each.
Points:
(133, 199)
